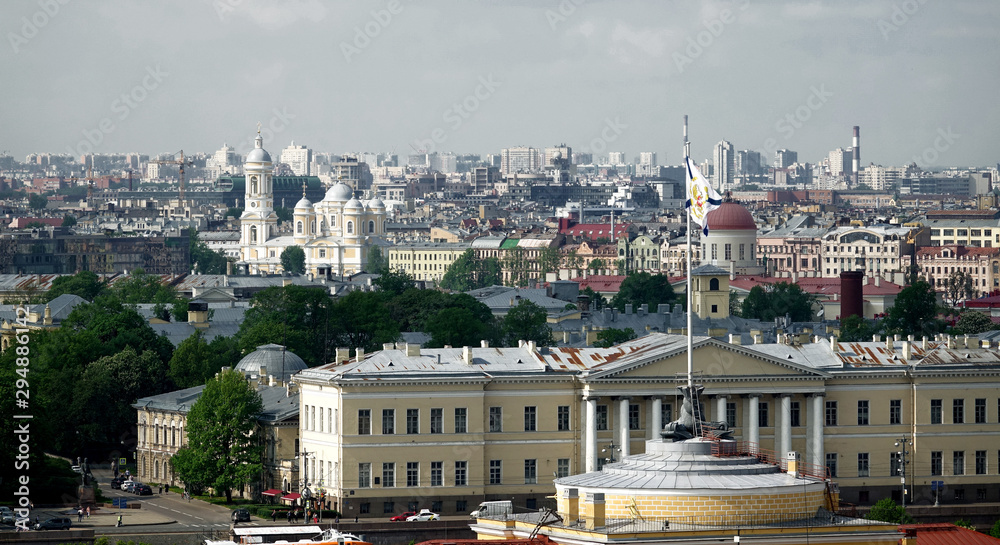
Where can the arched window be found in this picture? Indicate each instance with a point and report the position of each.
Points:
(156, 470)
(298, 227)
(312, 226)
(253, 234)
(253, 185)
(713, 284)
(350, 227)
(371, 226)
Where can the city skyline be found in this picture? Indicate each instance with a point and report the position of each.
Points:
(399, 77)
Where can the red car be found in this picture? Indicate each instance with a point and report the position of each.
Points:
(402, 518)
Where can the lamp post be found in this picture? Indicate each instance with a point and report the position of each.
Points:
(610, 450)
(902, 443)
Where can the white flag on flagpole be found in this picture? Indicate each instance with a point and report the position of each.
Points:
(701, 197)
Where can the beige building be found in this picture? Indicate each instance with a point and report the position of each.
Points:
(444, 429)
(937, 263)
(425, 260)
(879, 250)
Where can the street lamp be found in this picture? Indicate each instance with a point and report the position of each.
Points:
(610, 450)
(902, 443)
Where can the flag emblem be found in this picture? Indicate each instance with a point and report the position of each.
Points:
(701, 197)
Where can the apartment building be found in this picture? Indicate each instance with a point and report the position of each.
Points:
(425, 260)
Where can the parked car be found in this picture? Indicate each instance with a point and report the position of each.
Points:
(56, 523)
(142, 489)
(423, 515)
(128, 485)
(77, 469)
(241, 515)
(403, 517)
(6, 515)
(116, 483)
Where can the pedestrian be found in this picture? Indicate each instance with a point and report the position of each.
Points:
(160, 489)
(119, 520)
(289, 516)
(79, 514)
(88, 511)
(274, 515)
(355, 518)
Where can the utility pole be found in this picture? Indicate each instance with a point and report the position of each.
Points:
(902, 443)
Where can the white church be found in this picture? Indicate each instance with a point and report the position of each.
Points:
(336, 233)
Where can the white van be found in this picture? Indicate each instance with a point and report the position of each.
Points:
(493, 509)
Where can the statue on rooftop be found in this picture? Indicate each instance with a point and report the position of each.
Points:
(687, 425)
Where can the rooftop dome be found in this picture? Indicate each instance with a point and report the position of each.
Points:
(376, 204)
(730, 216)
(354, 204)
(258, 154)
(339, 192)
(275, 359)
(303, 203)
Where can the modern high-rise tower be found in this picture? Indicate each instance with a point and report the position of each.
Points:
(724, 163)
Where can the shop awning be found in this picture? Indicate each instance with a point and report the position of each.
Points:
(271, 492)
(291, 497)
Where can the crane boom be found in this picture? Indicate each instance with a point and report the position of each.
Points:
(181, 163)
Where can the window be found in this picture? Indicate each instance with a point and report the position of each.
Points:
(322, 252)
(496, 419)
(633, 416)
(389, 507)
(437, 477)
(364, 475)
(761, 415)
(960, 494)
(413, 473)
(863, 412)
(365, 508)
(895, 463)
(388, 421)
(364, 421)
(461, 420)
(461, 473)
(666, 413)
(895, 411)
(412, 421)
(958, 411)
(437, 420)
(350, 227)
(831, 463)
(795, 414)
(980, 411)
(936, 411)
(729, 252)
(730, 414)
(530, 418)
(980, 494)
(388, 474)
(863, 465)
(831, 413)
(937, 463)
(562, 467)
(298, 227)
(461, 506)
(562, 418)
(371, 226)
(958, 462)
(495, 467)
(530, 471)
(980, 462)
(602, 417)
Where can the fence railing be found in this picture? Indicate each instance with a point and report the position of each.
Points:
(706, 521)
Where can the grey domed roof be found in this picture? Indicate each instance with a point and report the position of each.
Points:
(339, 192)
(303, 203)
(376, 203)
(354, 204)
(258, 155)
(274, 358)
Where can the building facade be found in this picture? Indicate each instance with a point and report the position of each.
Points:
(425, 260)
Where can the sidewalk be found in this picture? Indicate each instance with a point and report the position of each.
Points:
(109, 517)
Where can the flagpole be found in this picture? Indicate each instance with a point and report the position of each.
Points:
(690, 340)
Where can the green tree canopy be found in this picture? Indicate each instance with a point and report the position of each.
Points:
(518, 266)
(203, 259)
(644, 288)
(393, 282)
(195, 360)
(597, 301)
(886, 510)
(972, 322)
(299, 318)
(293, 260)
(377, 262)
(548, 261)
(959, 287)
(777, 300)
(37, 202)
(854, 328)
(596, 265)
(527, 322)
(457, 326)
(84, 283)
(68, 220)
(914, 312)
(607, 338)
(223, 451)
(468, 272)
(362, 320)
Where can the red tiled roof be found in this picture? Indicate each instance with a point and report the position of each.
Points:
(818, 286)
(957, 249)
(594, 231)
(946, 534)
(600, 283)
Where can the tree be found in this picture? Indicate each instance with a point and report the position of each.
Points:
(456, 326)
(68, 221)
(469, 272)
(284, 214)
(203, 259)
(517, 266)
(361, 319)
(376, 261)
(548, 261)
(37, 202)
(777, 300)
(607, 338)
(299, 318)
(914, 312)
(596, 265)
(735, 305)
(973, 322)
(84, 283)
(995, 530)
(293, 260)
(959, 287)
(195, 360)
(643, 288)
(393, 282)
(574, 262)
(223, 451)
(527, 322)
(856, 328)
(886, 510)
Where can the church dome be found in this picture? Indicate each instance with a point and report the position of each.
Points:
(732, 217)
(354, 204)
(258, 154)
(376, 204)
(303, 203)
(275, 359)
(339, 192)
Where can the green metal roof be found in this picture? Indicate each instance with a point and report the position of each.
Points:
(509, 243)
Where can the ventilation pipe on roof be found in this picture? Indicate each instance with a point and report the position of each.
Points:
(360, 354)
(923, 343)
(484, 344)
(467, 355)
(833, 343)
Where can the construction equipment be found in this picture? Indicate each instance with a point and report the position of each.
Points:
(181, 164)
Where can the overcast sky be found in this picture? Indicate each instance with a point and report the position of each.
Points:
(920, 77)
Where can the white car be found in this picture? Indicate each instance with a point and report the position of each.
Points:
(423, 515)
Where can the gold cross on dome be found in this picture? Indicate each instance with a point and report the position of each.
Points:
(258, 128)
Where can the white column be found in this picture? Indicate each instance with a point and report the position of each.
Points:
(816, 455)
(786, 426)
(753, 422)
(656, 422)
(591, 450)
(624, 434)
(720, 409)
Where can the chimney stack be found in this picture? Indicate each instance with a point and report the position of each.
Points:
(857, 154)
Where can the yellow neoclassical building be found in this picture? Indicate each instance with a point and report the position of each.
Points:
(445, 429)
